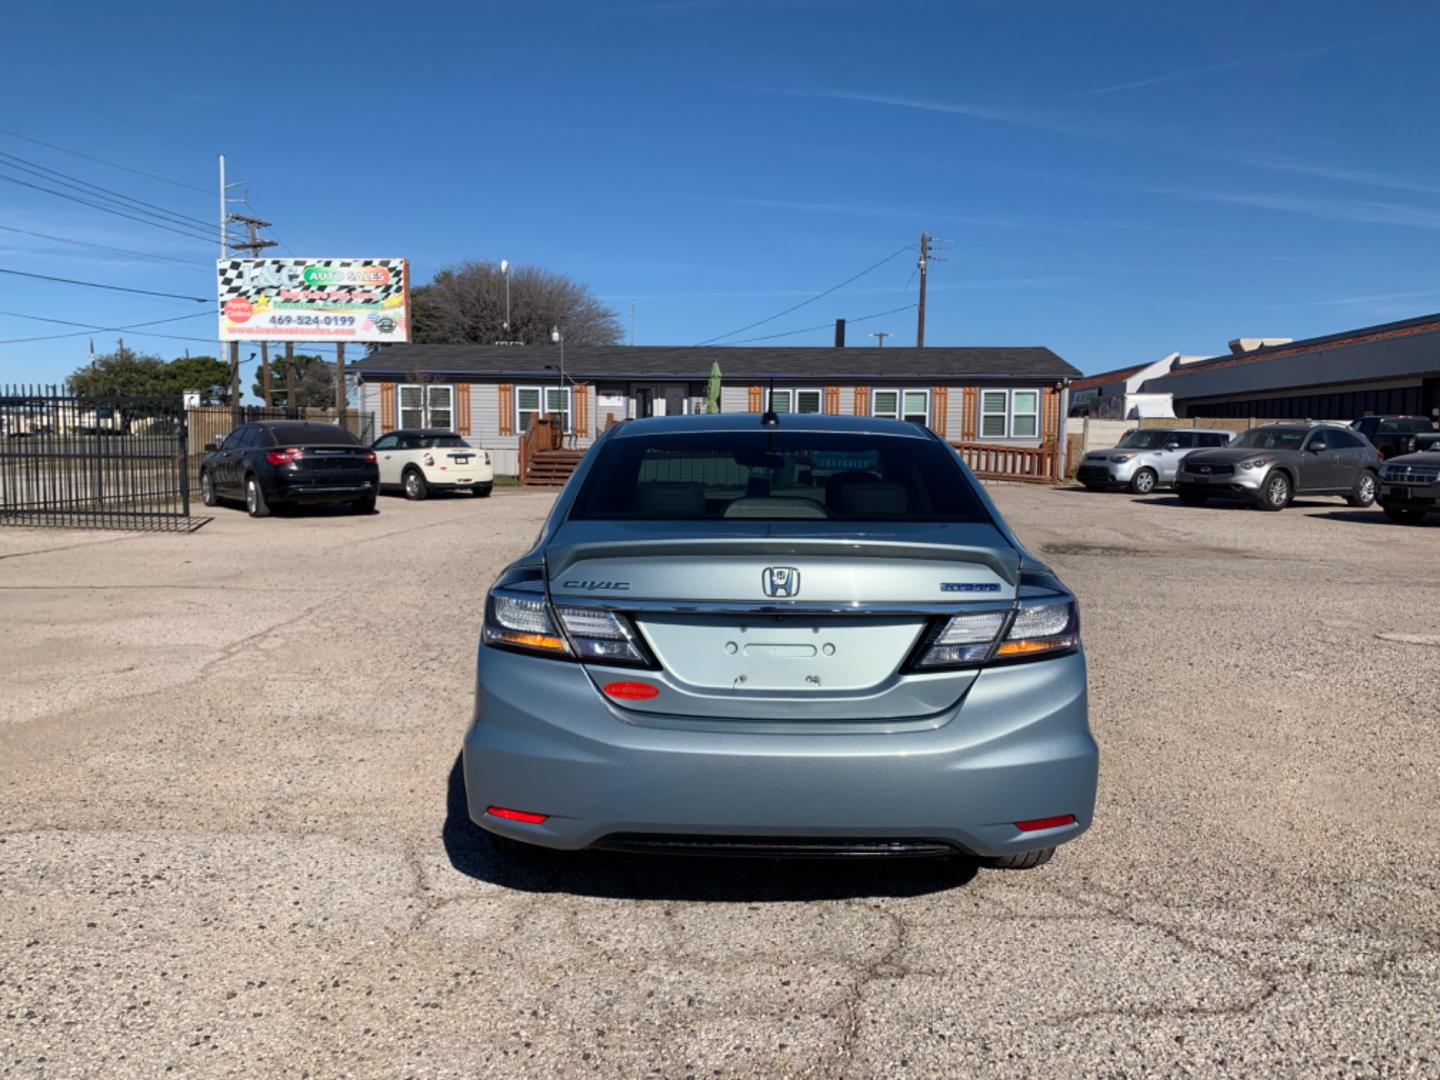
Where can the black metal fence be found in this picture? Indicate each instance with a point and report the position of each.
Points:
(70, 461)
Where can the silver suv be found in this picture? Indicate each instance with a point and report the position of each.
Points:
(1271, 464)
(812, 636)
(1145, 458)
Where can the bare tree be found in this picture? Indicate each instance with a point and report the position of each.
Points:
(466, 303)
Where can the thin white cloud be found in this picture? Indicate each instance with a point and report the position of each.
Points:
(1266, 60)
(1028, 118)
(1376, 298)
(1365, 177)
(1359, 211)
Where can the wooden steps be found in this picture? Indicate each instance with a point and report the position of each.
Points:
(552, 468)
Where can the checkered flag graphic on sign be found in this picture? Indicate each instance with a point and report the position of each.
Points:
(254, 278)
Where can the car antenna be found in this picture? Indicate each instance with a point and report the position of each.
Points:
(769, 418)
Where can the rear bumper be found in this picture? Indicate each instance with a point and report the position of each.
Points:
(1017, 747)
(285, 491)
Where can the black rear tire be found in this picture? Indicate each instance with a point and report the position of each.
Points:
(1024, 860)
(363, 506)
(510, 848)
(481, 491)
(255, 504)
(1404, 515)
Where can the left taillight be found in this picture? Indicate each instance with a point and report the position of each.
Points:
(519, 620)
(284, 457)
(518, 616)
(370, 458)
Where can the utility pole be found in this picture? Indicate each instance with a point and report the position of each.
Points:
(922, 265)
(880, 336)
(290, 389)
(340, 402)
(254, 247)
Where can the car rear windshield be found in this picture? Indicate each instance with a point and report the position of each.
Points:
(1271, 439)
(777, 475)
(1144, 439)
(300, 433)
(441, 442)
(1409, 425)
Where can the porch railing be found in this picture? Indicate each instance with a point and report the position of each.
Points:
(1024, 464)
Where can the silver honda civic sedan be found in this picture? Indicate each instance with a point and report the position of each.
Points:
(792, 635)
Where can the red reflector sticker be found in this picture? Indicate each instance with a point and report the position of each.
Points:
(1045, 823)
(516, 815)
(632, 691)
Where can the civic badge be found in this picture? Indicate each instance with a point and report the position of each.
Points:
(781, 581)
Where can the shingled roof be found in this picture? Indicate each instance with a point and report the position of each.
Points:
(939, 364)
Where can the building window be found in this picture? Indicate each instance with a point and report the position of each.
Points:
(427, 405)
(1024, 414)
(528, 406)
(911, 405)
(799, 401)
(993, 408)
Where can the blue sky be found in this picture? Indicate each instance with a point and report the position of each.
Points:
(1115, 181)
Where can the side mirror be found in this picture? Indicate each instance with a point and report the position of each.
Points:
(218, 441)
(1318, 447)
(1172, 446)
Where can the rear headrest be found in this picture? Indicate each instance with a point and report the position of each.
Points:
(681, 498)
(874, 499)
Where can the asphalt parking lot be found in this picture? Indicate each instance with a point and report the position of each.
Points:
(229, 840)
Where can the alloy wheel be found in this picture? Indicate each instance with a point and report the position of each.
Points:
(251, 496)
(1277, 490)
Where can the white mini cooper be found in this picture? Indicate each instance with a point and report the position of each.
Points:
(418, 461)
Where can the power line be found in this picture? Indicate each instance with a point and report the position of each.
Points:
(102, 161)
(116, 288)
(90, 328)
(106, 247)
(824, 326)
(817, 296)
(208, 238)
(55, 176)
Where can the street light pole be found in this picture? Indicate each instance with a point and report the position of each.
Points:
(558, 336)
(505, 273)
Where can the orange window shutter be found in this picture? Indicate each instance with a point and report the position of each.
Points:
(939, 407)
(832, 400)
(462, 409)
(387, 407)
(582, 411)
(757, 399)
(1050, 413)
(968, 403)
(507, 408)
(862, 401)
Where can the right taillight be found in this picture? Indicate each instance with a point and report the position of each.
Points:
(1036, 628)
(1040, 629)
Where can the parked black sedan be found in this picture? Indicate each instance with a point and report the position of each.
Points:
(286, 462)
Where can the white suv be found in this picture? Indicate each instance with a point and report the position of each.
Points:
(1146, 457)
(418, 461)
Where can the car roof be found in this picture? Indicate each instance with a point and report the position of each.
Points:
(422, 431)
(684, 425)
(296, 420)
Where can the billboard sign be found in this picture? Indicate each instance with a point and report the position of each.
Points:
(314, 299)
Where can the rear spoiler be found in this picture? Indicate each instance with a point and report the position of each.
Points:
(560, 558)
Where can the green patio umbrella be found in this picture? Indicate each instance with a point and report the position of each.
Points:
(712, 392)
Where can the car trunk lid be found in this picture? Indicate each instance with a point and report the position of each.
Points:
(782, 619)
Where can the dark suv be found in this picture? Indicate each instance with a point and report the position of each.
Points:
(1396, 435)
(279, 462)
(1271, 464)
